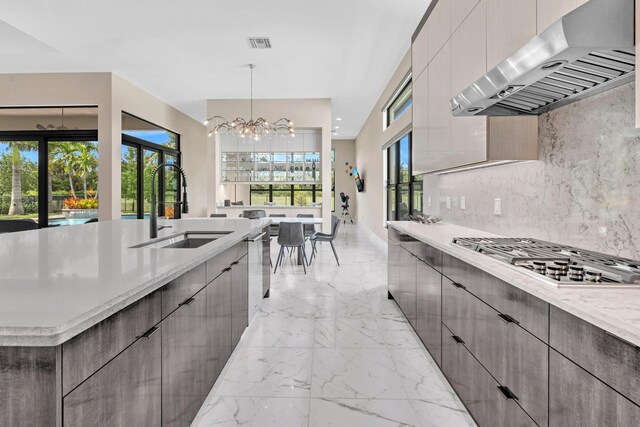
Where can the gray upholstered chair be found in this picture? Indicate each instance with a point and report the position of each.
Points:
(323, 237)
(218, 216)
(309, 229)
(291, 235)
(274, 228)
(13, 225)
(253, 213)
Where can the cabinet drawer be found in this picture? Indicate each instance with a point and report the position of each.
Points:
(512, 355)
(429, 309)
(532, 313)
(217, 264)
(126, 392)
(86, 353)
(612, 360)
(181, 289)
(477, 389)
(431, 256)
(578, 399)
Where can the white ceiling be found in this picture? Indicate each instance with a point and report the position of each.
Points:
(185, 52)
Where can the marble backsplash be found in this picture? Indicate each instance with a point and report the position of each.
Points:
(584, 190)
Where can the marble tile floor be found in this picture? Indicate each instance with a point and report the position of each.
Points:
(329, 349)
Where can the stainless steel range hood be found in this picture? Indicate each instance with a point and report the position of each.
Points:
(587, 51)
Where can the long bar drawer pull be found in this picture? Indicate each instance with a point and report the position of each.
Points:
(508, 319)
(150, 332)
(224, 270)
(457, 339)
(458, 285)
(235, 263)
(507, 393)
(188, 301)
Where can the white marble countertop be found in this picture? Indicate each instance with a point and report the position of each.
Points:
(615, 310)
(58, 282)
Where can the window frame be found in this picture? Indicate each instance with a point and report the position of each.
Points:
(316, 189)
(386, 111)
(43, 137)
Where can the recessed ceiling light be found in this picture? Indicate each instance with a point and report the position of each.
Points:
(338, 118)
(337, 127)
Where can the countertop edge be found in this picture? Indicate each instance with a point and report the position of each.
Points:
(54, 336)
(520, 281)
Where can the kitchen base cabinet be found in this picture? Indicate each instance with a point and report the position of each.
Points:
(125, 392)
(481, 394)
(239, 299)
(393, 269)
(185, 362)
(579, 399)
(429, 311)
(407, 300)
(219, 325)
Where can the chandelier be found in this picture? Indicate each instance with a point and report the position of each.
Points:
(251, 128)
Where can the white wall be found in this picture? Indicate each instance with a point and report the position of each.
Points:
(370, 158)
(345, 152)
(305, 113)
(112, 95)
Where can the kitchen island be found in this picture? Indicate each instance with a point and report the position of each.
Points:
(94, 331)
(518, 351)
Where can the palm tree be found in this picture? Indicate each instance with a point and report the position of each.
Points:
(63, 156)
(16, 208)
(86, 162)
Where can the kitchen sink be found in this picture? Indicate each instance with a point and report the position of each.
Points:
(186, 240)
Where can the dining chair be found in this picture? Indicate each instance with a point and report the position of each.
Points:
(254, 213)
(323, 237)
(291, 235)
(309, 229)
(274, 228)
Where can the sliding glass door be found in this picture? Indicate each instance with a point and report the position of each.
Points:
(48, 178)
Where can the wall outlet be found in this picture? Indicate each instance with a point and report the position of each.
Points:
(429, 201)
(463, 203)
(448, 199)
(497, 206)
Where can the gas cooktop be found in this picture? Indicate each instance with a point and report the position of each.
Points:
(556, 264)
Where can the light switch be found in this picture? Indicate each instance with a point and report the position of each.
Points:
(448, 199)
(463, 203)
(497, 206)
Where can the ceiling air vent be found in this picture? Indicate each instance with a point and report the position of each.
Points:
(260, 42)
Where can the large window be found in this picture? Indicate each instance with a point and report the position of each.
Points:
(404, 191)
(285, 194)
(144, 147)
(400, 103)
(49, 177)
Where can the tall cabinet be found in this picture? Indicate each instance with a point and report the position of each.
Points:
(455, 47)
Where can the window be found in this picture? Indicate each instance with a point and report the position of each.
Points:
(49, 176)
(404, 191)
(400, 103)
(285, 194)
(144, 147)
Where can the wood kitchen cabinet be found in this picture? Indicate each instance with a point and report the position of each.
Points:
(469, 63)
(419, 59)
(393, 267)
(549, 11)
(510, 24)
(419, 137)
(479, 391)
(429, 309)
(185, 361)
(239, 299)
(127, 391)
(439, 151)
(579, 399)
(219, 344)
(460, 9)
(438, 28)
(408, 289)
(266, 261)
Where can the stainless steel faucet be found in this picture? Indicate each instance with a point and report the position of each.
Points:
(153, 219)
